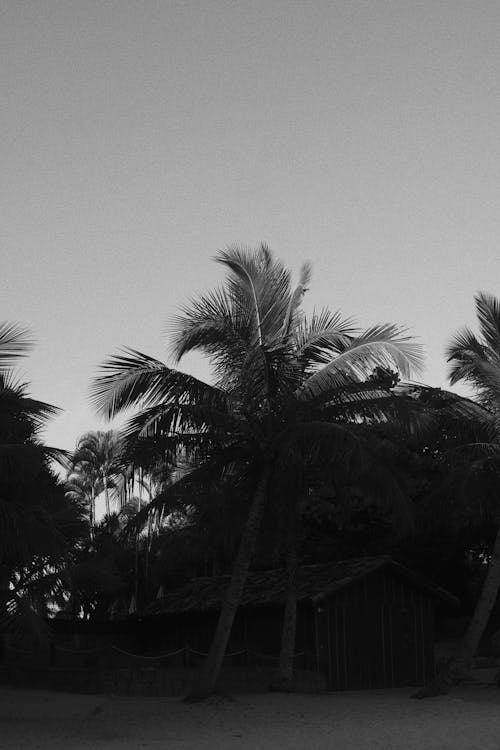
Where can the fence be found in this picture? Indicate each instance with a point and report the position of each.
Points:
(111, 669)
(109, 654)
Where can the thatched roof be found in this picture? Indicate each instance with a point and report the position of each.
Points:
(268, 588)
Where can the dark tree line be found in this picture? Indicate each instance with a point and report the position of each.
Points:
(311, 444)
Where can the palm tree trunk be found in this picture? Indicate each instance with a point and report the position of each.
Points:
(283, 680)
(459, 667)
(106, 495)
(92, 513)
(4, 595)
(148, 547)
(207, 681)
(136, 557)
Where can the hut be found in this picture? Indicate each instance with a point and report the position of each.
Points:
(365, 623)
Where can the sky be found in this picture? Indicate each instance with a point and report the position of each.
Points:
(139, 138)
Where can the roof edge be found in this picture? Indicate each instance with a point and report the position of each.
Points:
(348, 580)
(387, 562)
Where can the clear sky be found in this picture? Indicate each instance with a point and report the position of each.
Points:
(138, 138)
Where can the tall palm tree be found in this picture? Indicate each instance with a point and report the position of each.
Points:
(475, 361)
(96, 461)
(282, 382)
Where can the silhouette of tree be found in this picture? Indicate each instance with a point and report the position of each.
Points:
(283, 383)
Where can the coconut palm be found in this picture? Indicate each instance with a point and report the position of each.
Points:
(475, 361)
(282, 383)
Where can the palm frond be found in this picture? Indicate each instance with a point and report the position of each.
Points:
(15, 342)
(259, 287)
(463, 353)
(135, 379)
(293, 317)
(23, 461)
(381, 346)
(456, 418)
(168, 419)
(487, 383)
(243, 266)
(16, 407)
(473, 453)
(477, 361)
(488, 314)
(98, 451)
(212, 325)
(180, 493)
(397, 414)
(324, 335)
(15, 541)
(19, 617)
(321, 443)
(163, 454)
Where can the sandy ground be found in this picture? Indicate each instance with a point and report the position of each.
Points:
(469, 719)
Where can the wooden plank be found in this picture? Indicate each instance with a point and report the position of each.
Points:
(406, 646)
(378, 659)
(330, 650)
(429, 630)
(422, 640)
(388, 612)
(417, 654)
(356, 651)
(348, 647)
(322, 653)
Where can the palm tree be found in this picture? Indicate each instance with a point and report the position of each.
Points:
(96, 464)
(36, 523)
(282, 383)
(475, 361)
(81, 488)
(22, 456)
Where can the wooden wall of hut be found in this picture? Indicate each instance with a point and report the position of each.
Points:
(376, 633)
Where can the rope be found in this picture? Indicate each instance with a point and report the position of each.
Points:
(171, 653)
(159, 656)
(262, 656)
(143, 656)
(200, 653)
(272, 656)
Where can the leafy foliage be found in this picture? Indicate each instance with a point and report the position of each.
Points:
(275, 373)
(37, 525)
(289, 392)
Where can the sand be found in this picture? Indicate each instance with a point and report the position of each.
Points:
(468, 719)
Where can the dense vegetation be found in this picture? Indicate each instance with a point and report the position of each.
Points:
(310, 444)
